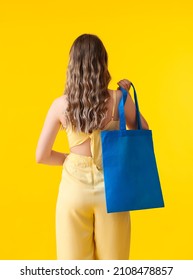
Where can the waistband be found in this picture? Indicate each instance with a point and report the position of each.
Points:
(80, 159)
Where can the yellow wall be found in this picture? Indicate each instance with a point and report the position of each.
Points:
(149, 43)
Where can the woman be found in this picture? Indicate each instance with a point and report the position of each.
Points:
(84, 230)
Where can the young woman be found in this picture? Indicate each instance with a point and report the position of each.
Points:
(84, 229)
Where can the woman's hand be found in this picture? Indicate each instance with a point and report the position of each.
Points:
(126, 84)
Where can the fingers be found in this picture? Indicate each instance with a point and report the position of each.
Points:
(126, 84)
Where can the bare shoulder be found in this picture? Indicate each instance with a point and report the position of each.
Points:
(60, 100)
(60, 104)
(118, 93)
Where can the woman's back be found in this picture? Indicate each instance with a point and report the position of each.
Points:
(89, 144)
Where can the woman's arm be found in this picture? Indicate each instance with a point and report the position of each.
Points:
(44, 152)
(130, 114)
(130, 109)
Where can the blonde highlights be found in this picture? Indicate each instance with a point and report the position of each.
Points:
(87, 84)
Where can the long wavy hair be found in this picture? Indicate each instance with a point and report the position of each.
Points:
(87, 82)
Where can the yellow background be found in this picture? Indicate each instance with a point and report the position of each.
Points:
(149, 43)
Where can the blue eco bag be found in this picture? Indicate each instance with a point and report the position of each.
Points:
(130, 171)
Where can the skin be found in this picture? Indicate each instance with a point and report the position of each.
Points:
(54, 118)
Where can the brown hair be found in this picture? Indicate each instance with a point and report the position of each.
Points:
(87, 84)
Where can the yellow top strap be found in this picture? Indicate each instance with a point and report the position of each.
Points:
(114, 102)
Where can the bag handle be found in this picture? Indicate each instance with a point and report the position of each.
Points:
(122, 112)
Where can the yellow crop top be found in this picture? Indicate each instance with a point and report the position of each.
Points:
(77, 138)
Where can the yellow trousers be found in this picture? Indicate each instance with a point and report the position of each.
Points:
(84, 229)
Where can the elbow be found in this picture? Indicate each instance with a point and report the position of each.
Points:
(38, 160)
(38, 157)
(144, 123)
(145, 126)
(41, 157)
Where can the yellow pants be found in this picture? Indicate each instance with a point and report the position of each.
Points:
(84, 230)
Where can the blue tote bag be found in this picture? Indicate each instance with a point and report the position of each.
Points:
(130, 171)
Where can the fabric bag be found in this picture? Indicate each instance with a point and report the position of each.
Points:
(130, 171)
